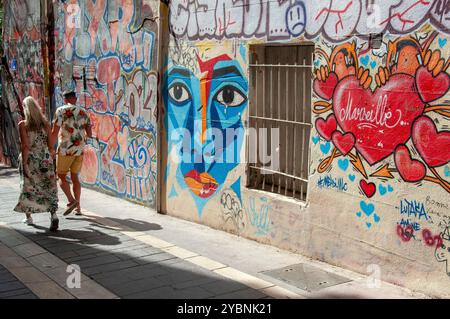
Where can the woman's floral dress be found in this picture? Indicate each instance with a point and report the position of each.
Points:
(39, 192)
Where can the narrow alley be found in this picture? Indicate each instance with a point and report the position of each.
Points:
(232, 149)
(153, 256)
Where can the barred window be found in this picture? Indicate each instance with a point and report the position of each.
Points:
(280, 117)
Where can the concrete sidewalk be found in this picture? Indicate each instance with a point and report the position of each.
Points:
(128, 251)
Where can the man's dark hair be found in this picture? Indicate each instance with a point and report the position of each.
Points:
(70, 94)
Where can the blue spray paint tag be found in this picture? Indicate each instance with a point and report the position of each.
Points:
(13, 65)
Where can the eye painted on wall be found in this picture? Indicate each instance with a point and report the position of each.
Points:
(179, 93)
(230, 96)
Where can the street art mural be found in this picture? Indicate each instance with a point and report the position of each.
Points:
(22, 45)
(428, 224)
(380, 141)
(203, 110)
(22, 74)
(285, 19)
(378, 122)
(386, 123)
(380, 119)
(443, 250)
(107, 52)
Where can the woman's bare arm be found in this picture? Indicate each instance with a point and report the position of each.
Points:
(24, 145)
(54, 134)
(50, 140)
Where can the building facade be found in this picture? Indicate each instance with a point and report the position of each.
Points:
(321, 127)
(107, 51)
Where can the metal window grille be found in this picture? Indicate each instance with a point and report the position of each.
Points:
(280, 98)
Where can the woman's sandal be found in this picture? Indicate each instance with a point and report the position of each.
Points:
(70, 208)
(54, 223)
(28, 221)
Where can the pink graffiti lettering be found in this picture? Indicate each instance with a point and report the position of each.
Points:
(108, 72)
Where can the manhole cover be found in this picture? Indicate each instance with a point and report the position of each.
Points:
(306, 277)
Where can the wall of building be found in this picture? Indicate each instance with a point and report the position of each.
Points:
(23, 76)
(108, 51)
(4, 158)
(22, 45)
(386, 201)
(9, 138)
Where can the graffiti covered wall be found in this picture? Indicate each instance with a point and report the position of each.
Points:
(22, 74)
(22, 45)
(107, 52)
(379, 184)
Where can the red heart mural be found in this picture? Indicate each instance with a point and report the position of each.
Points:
(409, 169)
(325, 128)
(431, 87)
(368, 188)
(324, 89)
(380, 120)
(343, 142)
(433, 146)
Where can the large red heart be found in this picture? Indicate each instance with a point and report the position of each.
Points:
(325, 128)
(431, 87)
(409, 169)
(324, 89)
(380, 120)
(433, 146)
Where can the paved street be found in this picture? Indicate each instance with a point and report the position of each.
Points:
(13, 288)
(128, 251)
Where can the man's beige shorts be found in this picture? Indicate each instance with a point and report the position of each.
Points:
(66, 163)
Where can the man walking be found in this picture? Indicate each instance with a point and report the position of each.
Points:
(71, 126)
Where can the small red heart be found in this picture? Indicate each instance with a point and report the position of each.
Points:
(325, 89)
(410, 170)
(433, 146)
(343, 142)
(431, 87)
(369, 189)
(325, 128)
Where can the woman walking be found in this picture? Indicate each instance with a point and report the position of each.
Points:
(39, 192)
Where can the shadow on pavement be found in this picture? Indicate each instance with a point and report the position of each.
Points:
(134, 224)
(125, 266)
(128, 267)
(6, 171)
(90, 236)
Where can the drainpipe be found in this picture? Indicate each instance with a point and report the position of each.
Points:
(48, 54)
(51, 49)
(163, 45)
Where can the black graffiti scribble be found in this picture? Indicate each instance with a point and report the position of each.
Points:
(232, 210)
(442, 252)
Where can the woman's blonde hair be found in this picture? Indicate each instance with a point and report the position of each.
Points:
(35, 120)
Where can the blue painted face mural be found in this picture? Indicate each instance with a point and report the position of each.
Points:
(204, 121)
